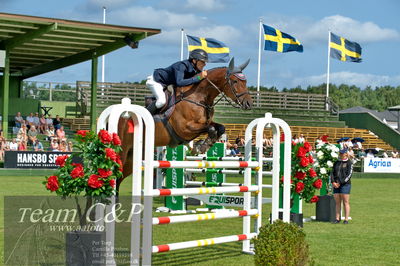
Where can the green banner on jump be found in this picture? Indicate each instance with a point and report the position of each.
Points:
(175, 178)
(217, 150)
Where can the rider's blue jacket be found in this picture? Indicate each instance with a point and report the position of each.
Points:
(179, 74)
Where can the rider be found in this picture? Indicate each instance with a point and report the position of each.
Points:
(179, 74)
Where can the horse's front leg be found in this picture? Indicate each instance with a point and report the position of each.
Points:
(214, 131)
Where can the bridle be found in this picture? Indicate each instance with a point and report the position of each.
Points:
(236, 104)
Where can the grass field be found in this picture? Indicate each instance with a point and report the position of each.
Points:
(371, 238)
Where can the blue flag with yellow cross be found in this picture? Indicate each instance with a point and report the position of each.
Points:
(278, 41)
(217, 51)
(344, 50)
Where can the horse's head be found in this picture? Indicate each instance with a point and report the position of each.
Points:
(235, 87)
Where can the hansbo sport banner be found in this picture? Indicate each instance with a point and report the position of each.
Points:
(381, 165)
(32, 159)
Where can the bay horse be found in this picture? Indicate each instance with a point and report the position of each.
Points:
(193, 113)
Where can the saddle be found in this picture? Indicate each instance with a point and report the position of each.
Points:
(163, 114)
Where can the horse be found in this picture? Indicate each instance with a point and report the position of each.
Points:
(192, 113)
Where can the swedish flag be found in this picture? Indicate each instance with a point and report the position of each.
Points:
(217, 51)
(278, 41)
(344, 50)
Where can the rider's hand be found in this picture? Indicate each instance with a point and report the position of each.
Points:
(203, 74)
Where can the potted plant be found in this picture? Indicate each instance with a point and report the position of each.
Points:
(327, 155)
(93, 178)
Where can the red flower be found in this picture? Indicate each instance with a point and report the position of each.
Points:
(301, 152)
(120, 163)
(304, 162)
(324, 138)
(314, 199)
(312, 172)
(52, 183)
(61, 160)
(110, 153)
(78, 171)
(104, 172)
(82, 133)
(307, 146)
(317, 183)
(112, 183)
(94, 181)
(104, 136)
(310, 159)
(115, 139)
(300, 175)
(299, 187)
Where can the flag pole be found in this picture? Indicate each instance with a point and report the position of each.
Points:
(327, 73)
(103, 58)
(259, 63)
(182, 34)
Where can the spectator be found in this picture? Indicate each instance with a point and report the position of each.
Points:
(2, 146)
(229, 148)
(370, 154)
(295, 140)
(236, 150)
(49, 121)
(54, 145)
(19, 120)
(32, 135)
(36, 121)
(57, 122)
(14, 145)
(239, 141)
(348, 144)
(267, 142)
(361, 154)
(60, 133)
(22, 133)
(341, 181)
(42, 124)
(37, 146)
(29, 120)
(50, 133)
(385, 155)
(22, 145)
(395, 154)
(301, 138)
(70, 146)
(63, 146)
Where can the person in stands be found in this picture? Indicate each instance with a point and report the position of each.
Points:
(341, 181)
(179, 74)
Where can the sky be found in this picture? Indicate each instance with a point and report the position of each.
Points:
(375, 25)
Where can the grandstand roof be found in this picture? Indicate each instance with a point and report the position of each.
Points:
(38, 45)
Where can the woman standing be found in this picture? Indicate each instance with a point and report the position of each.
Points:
(341, 181)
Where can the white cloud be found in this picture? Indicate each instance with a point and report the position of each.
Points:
(205, 5)
(150, 17)
(350, 78)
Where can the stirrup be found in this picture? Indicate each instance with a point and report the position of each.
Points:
(152, 108)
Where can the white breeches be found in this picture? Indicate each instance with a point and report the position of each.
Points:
(158, 90)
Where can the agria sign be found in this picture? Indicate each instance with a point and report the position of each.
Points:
(381, 165)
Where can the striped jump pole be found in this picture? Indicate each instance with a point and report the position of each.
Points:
(202, 242)
(202, 217)
(216, 184)
(203, 190)
(225, 158)
(233, 172)
(205, 164)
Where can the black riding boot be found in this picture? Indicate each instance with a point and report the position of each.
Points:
(152, 108)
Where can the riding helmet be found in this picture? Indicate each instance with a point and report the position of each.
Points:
(199, 54)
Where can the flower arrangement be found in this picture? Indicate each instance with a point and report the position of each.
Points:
(97, 174)
(305, 181)
(327, 155)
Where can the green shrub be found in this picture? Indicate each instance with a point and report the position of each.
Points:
(281, 244)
